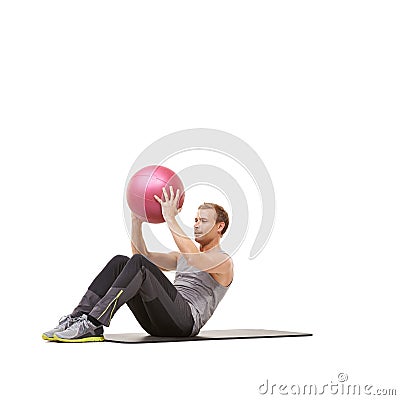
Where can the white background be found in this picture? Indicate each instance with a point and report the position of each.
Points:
(312, 86)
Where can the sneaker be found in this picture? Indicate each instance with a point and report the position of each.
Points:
(81, 331)
(64, 323)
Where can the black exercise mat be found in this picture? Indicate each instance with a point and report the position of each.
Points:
(205, 335)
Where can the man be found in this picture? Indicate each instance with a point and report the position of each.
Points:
(202, 278)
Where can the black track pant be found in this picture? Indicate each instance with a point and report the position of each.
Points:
(150, 295)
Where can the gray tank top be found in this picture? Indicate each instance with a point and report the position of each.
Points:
(200, 289)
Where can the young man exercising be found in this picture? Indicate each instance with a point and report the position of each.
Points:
(202, 278)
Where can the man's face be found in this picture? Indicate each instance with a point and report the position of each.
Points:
(205, 228)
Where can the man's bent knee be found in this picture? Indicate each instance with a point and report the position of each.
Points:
(137, 257)
(120, 257)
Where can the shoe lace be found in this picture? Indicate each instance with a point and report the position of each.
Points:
(81, 323)
(67, 318)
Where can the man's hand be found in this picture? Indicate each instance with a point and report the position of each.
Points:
(169, 206)
(169, 210)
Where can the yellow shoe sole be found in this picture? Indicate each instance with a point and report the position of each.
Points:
(45, 337)
(88, 339)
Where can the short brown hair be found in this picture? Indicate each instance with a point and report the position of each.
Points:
(222, 215)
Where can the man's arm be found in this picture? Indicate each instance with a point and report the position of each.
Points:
(218, 263)
(164, 261)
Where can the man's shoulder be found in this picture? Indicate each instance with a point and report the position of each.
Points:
(223, 260)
